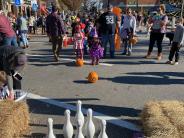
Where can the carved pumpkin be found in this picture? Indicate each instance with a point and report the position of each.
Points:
(92, 77)
(133, 40)
(79, 62)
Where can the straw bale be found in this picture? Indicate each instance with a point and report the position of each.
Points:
(164, 119)
(14, 119)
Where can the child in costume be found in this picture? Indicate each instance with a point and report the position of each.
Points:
(95, 51)
(78, 41)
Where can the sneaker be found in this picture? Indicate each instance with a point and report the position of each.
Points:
(175, 63)
(169, 62)
(129, 54)
(124, 53)
(147, 56)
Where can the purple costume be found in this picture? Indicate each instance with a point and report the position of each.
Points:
(96, 51)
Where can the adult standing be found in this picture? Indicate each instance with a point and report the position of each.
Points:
(158, 29)
(57, 32)
(128, 30)
(108, 22)
(6, 31)
(23, 30)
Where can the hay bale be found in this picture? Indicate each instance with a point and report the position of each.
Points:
(14, 119)
(163, 119)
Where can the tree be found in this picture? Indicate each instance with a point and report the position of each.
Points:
(92, 4)
(72, 4)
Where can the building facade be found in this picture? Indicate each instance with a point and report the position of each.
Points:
(134, 3)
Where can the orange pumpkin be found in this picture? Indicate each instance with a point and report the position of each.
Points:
(92, 77)
(79, 62)
(133, 40)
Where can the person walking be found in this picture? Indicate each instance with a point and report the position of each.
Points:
(57, 32)
(158, 29)
(108, 22)
(127, 31)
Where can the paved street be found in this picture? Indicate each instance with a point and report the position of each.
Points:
(125, 85)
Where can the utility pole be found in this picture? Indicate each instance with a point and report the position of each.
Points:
(182, 8)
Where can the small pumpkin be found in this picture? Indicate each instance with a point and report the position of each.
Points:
(133, 40)
(79, 62)
(92, 77)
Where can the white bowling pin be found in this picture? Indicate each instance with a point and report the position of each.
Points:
(50, 127)
(67, 128)
(103, 133)
(79, 129)
(89, 126)
(79, 115)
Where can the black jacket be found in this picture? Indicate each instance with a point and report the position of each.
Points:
(7, 58)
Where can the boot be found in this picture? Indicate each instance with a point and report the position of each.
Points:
(159, 57)
(148, 55)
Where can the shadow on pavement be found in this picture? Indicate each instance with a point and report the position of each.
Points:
(35, 135)
(133, 62)
(112, 130)
(150, 78)
(54, 110)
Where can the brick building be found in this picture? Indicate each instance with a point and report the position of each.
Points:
(134, 3)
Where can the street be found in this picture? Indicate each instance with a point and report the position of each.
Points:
(126, 83)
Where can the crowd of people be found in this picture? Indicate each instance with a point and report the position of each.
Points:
(90, 35)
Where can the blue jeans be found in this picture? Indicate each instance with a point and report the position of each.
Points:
(24, 39)
(108, 38)
(10, 41)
